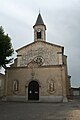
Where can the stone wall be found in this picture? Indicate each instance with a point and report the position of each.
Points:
(2, 83)
(49, 53)
(43, 75)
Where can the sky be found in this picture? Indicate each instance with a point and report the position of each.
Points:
(62, 19)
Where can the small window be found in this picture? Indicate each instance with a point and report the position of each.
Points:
(39, 35)
(15, 85)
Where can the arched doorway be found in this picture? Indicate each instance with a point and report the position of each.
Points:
(33, 90)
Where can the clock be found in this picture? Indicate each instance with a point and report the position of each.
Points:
(39, 30)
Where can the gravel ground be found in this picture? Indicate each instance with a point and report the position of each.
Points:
(40, 111)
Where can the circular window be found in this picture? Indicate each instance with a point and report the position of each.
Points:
(39, 60)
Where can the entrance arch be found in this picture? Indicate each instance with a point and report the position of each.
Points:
(33, 90)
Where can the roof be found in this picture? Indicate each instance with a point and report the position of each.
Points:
(39, 20)
(42, 42)
(75, 88)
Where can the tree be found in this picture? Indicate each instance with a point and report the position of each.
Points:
(6, 50)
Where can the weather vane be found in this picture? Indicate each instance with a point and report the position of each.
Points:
(39, 10)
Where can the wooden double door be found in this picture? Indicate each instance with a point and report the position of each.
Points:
(33, 90)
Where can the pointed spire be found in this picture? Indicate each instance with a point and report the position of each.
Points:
(39, 20)
(39, 26)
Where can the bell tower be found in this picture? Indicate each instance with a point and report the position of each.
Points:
(39, 29)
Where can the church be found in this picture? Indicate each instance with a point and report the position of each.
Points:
(39, 72)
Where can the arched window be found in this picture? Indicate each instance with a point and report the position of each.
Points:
(15, 85)
(39, 35)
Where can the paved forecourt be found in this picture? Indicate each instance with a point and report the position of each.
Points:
(40, 111)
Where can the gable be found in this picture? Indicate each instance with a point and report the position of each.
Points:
(36, 42)
(47, 51)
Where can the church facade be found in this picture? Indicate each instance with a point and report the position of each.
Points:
(39, 72)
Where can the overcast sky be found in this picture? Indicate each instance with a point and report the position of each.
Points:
(62, 19)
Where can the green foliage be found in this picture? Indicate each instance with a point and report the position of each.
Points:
(6, 49)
